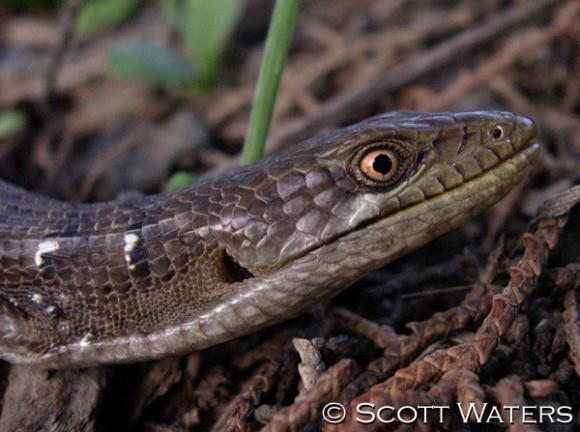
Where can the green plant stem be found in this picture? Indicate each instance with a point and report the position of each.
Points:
(275, 54)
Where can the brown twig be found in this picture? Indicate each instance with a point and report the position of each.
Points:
(572, 328)
(381, 335)
(508, 392)
(247, 401)
(68, 15)
(470, 393)
(306, 406)
(560, 204)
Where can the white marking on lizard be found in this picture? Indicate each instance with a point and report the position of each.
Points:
(45, 246)
(131, 241)
(85, 341)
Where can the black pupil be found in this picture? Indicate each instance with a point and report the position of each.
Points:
(382, 164)
(497, 133)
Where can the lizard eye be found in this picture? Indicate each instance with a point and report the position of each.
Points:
(382, 164)
(379, 165)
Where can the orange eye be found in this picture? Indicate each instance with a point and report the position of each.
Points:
(382, 164)
(379, 165)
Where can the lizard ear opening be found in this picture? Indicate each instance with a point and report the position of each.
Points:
(233, 270)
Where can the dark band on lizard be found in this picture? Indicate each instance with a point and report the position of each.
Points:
(89, 284)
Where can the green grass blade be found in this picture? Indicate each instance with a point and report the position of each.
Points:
(275, 54)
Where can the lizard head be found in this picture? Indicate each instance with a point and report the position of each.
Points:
(421, 173)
